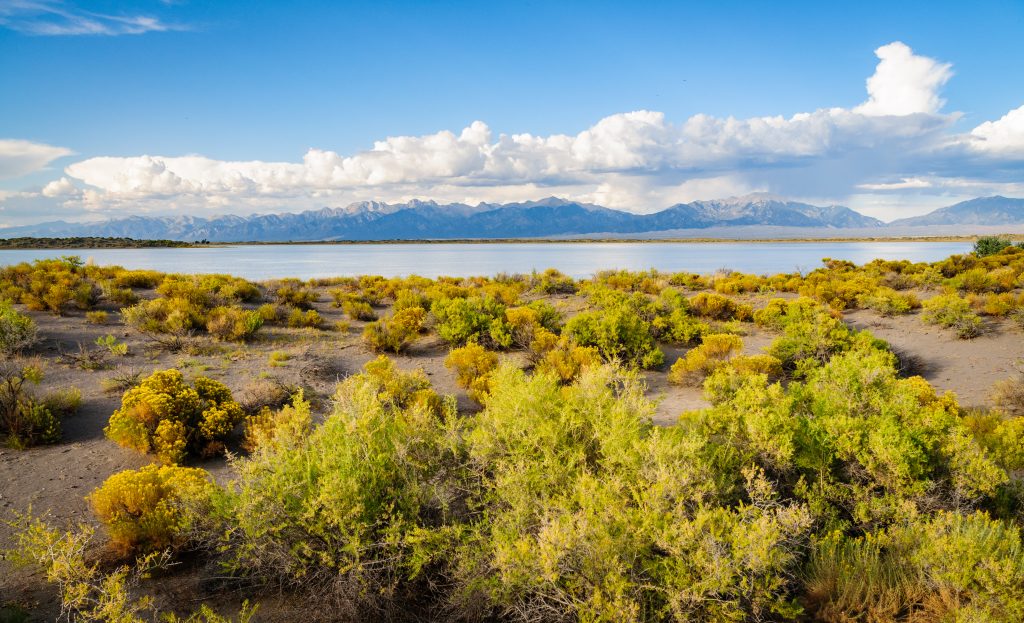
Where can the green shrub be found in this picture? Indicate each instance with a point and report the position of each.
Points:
(96, 317)
(358, 310)
(952, 312)
(233, 323)
(167, 416)
(146, 509)
(395, 333)
(951, 567)
(26, 419)
(889, 302)
(619, 334)
(718, 307)
(461, 320)
(110, 343)
(990, 245)
(345, 508)
(309, 319)
(17, 331)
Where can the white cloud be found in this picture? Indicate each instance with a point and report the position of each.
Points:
(55, 18)
(899, 140)
(904, 83)
(1004, 137)
(63, 187)
(19, 158)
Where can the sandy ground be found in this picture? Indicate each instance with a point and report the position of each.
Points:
(55, 479)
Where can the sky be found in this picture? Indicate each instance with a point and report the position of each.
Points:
(110, 109)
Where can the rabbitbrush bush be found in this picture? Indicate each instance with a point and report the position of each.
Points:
(397, 332)
(952, 312)
(356, 506)
(17, 331)
(151, 508)
(166, 415)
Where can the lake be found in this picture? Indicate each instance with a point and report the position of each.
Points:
(258, 262)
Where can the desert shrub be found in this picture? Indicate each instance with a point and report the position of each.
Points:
(473, 365)
(294, 420)
(951, 567)
(398, 389)
(291, 293)
(122, 297)
(975, 280)
(345, 509)
(96, 317)
(165, 320)
(263, 393)
(397, 332)
(889, 302)
(718, 307)
(714, 351)
(138, 278)
(121, 381)
(618, 334)
(1008, 395)
(208, 291)
(551, 281)
(518, 325)
(678, 327)
(996, 304)
(17, 331)
(461, 320)
(811, 334)
(358, 310)
(309, 319)
(96, 592)
(233, 324)
(112, 346)
(270, 312)
(590, 513)
(145, 510)
(406, 298)
(952, 312)
(167, 416)
(27, 419)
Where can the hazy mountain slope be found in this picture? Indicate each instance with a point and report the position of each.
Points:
(551, 217)
(981, 211)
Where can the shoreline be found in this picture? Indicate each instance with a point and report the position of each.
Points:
(487, 241)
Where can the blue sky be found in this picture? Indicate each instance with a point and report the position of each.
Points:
(91, 87)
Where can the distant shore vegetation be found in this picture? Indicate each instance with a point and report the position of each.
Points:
(88, 242)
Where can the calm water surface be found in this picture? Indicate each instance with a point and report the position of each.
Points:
(259, 262)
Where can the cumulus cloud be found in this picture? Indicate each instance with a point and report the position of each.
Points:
(1004, 136)
(905, 83)
(54, 18)
(898, 140)
(19, 157)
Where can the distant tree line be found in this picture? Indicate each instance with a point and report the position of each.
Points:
(90, 242)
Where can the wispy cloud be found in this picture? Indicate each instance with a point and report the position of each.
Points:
(19, 158)
(54, 18)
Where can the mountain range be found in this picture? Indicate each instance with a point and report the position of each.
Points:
(416, 220)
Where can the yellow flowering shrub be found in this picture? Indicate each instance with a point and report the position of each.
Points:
(167, 416)
(702, 360)
(146, 509)
(473, 365)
